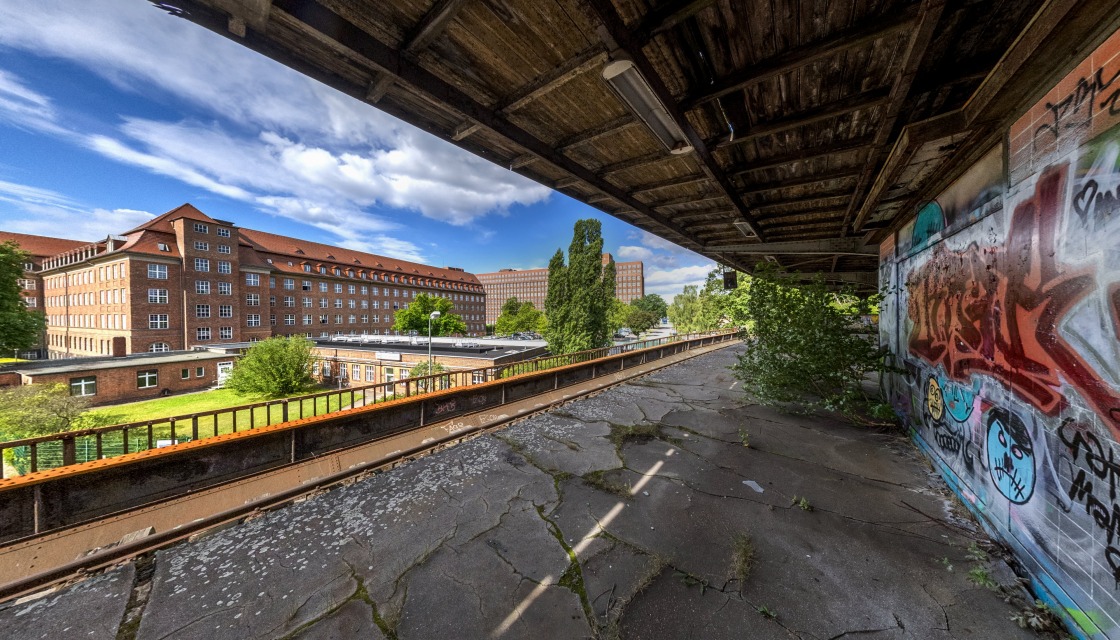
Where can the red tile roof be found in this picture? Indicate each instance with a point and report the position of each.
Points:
(163, 222)
(41, 246)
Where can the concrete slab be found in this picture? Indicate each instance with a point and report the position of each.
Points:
(89, 610)
(479, 540)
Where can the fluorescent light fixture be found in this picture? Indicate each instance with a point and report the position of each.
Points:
(626, 81)
(744, 228)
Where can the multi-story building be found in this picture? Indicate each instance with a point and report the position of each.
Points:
(31, 283)
(184, 279)
(532, 285)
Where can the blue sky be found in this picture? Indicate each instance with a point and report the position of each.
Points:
(119, 112)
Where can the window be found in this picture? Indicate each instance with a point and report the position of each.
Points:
(338, 287)
(225, 311)
(323, 287)
(185, 374)
(388, 374)
(202, 287)
(324, 319)
(272, 319)
(201, 264)
(307, 318)
(224, 267)
(252, 280)
(350, 289)
(365, 319)
(156, 272)
(289, 283)
(224, 248)
(338, 303)
(365, 290)
(365, 304)
(225, 333)
(324, 303)
(338, 319)
(201, 246)
(289, 301)
(253, 299)
(201, 228)
(350, 304)
(147, 379)
(307, 268)
(371, 373)
(159, 347)
(307, 302)
(157, 321)
(202, 311)
(289, 319)
(253, 320)
(157, 296)
(356, 372)
(225, 289)
(86, 386)
(202, 333)
(351, 319)
(199, 372)
(222, 233)
(306, 285)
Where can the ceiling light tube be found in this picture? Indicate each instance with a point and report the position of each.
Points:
(627, 82)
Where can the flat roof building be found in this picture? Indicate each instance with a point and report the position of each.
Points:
(184, 280)
(532, 285)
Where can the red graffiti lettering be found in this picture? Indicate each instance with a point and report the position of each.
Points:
(995, 310)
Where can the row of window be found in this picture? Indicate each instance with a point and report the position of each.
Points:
(204, 228)
(199, 245)
(106, 296)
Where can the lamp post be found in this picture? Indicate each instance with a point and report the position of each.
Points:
(432, 316)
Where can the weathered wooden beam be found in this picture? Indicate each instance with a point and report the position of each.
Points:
(556, 78)
(655, 157)
(810, 153)
(812, 198)
(776, 218)
(684, 216)
(798, 57)
(617, 31)
(800, 181)
(377, 88)
(322, 23)
(591, 135)
(667, 184)
(689, 200)
(523, 160)
(432, 25)
(465, 130)
(668, 15)
(929, 15)
(820, 113)
(843, 246)
(564, 183)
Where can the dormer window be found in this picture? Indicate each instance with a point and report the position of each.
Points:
(163, 246)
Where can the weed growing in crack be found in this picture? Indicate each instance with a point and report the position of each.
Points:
(767, 612)
(948, 565)
(1040, 617)
(690, 580)
(742, 557)
(982, 577)
(976, 553)
(599, 480)
(640, 433)
(745, 438)
(802, 503)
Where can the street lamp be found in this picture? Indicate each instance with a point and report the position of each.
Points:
(432, 316)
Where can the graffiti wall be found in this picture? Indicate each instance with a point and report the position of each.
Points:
(1003, 309)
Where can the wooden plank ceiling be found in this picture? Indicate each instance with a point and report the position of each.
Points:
(815, 123)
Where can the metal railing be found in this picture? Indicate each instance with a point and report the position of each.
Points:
(30, 455)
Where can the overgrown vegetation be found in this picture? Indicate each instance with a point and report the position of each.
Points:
(519, 315)
(1040, 617)
(709, 307)
(274, 368)
(982, 577)
(579, 293)
(417, 316)
(32, 410)
(802, 503)
(807, 349)
(607, 483)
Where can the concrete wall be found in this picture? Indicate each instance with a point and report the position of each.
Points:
(1003, 306)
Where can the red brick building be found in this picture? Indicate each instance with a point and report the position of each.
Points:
(532, 285)
(31, 283)
(186, 280)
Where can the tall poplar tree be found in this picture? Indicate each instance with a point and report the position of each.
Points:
(580, 292)
(20, 327)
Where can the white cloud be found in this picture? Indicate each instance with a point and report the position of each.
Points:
(42, 212)
(667, 283)
(634, 253)
(273, 138)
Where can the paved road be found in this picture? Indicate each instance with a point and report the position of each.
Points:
(617, 515)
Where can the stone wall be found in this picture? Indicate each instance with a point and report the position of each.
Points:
(1003, 307)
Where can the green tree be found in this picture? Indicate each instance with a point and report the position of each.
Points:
(275, 367)
(640, 320)
(421, 369)
(415, 317)
(616, 316)
(32, 410)
(652, 303)
(580, 292)
(19, 327)
(684, 312)
(804, 348)
(518, 316)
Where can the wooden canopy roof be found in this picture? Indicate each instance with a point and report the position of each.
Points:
(816, 125)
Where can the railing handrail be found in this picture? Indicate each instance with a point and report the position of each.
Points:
(492, 372)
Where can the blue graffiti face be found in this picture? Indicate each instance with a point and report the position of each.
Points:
(930, 220)
(958, 399)
(1010, 456)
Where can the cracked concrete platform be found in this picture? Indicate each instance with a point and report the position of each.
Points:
(614, 515)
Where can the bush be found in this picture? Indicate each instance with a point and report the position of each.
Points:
(804, 350)
(275, 367)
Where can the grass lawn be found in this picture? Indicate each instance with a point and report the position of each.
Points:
(11, 360)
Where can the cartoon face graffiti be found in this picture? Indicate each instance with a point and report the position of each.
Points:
(958, 398)
(1010, 456)
(935, 403)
